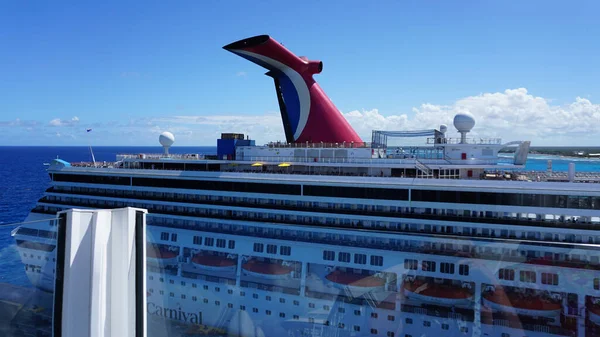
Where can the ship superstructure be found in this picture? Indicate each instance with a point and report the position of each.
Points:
(326, 234)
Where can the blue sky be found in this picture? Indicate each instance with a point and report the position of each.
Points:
(525, 69)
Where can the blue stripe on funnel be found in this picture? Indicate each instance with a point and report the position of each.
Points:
(288, 90)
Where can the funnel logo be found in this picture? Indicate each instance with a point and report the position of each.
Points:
(292, 92)
(306, 112)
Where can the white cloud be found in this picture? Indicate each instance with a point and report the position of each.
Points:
(513, 114)
(56, 122)
(60, 122)
(240, 74)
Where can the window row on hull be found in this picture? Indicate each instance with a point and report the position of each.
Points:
(275, 210)
(456, 197)
(452, 246)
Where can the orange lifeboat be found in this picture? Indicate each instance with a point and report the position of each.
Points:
(162, 258)
(214, 262)
(354, 281)
(499, 299)
(594, 312)
(434, 293)
(272, 271)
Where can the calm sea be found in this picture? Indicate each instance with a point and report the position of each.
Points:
(23, 179)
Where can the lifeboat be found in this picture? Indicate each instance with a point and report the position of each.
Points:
(513, 302)
(214, 262)
(594, 312)
(161, 258)
(352, 281)
(262, 269)
(431, 292)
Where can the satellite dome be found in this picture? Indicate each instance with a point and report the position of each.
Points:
(443, 128)
(464, 122)
(166, 139)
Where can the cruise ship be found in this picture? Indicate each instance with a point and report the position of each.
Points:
(326, 234)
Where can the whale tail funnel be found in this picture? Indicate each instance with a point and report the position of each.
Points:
(308, 115)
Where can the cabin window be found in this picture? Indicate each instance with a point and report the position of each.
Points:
(174, 237)
(373, 331)
(259, 247)
(527, 276)
(550, 278)
(272, 249)
(209, 241)
(360, 258)
(164, 236)
(197, 240)
(428, 266)
(463, 269)
(376, 260)
(506, 274)
(373, 315)
(231, 244)
(597, 283)
(447, 268)
(410, 264)
(391, 318)
(285, 250)
(344, 257)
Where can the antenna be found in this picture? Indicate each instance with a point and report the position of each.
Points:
(92, 152)
(93, 158)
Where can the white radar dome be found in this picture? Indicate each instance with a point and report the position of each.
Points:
(443, 128)
(166, 139)
(464, 122)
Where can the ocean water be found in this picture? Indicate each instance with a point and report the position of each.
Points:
(538, 162)
(23, 180)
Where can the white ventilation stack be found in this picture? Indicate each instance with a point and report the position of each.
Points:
(166, 139)
(464, 123)
(443, 129)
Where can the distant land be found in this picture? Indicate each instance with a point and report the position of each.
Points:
(565, 151)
